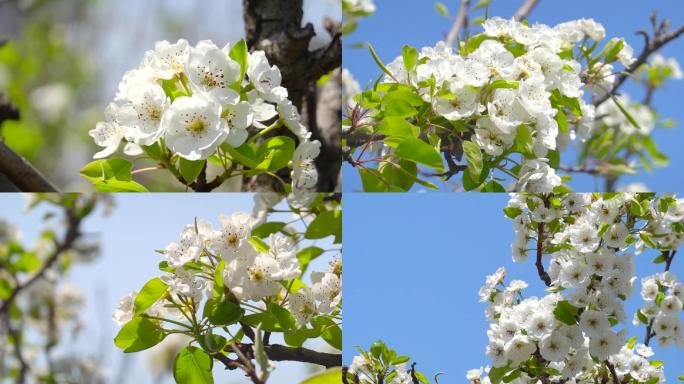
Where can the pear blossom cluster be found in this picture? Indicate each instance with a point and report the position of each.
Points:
(381, 365)
(195, 99)
(612, 116)
(527, 328)
(516, 75)
(365, 369)
(589, 242)
(252, 273)
(663, 296)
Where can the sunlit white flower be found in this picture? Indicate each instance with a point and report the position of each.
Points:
(193, 127)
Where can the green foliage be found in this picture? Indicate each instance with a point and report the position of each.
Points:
(193, 366)
(150, 293)
(329, 376)
(139, 334)
(112, 175)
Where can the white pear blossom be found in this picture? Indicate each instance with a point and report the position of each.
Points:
(210, 70)
(193, 126)
(304, 172)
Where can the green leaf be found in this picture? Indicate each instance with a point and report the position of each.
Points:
(474, 158)
(410, 56)
(642, 318)
(266, 229)
(138, 334)
(372, 181)
(306, 255)
(285, 318)
(646, 237)
(240, 54)
(399, 108)
(259, 244)
(631, 342)
(326, 224)
(329, 376)
(400, 177)
(566, 313)
(497, 374)
(625, 112)
(493, 186)
(524, 142)
(150, 293)
(397, 127)
(243, 154)
(442, 9)
(659, 259)
(27, 262)
(5, 289)
(332, 334)
(512, 212)
(222, 312)
(172, 89)
(112, 175)
(191, 169)
(498, 84)
(193, 366)
(420, 152)
(153, 151)
(275, 153)
(562, 121)
(378, 62)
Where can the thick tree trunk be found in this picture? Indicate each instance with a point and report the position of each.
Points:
(275, 27)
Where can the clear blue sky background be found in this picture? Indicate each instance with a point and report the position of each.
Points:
(399, 22)
(138, 225)
(417, 262)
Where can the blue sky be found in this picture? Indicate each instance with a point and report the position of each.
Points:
(138, 225)
(418, 261)
(399, 22)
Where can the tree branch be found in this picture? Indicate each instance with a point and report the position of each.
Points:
(275, 27)
(661, 37)
(611, 368)
(459, 23)
(540, 265)
(525, 9)
(278, 352)
(21, 173)
(18, 353)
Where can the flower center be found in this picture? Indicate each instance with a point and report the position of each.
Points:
(196, 126)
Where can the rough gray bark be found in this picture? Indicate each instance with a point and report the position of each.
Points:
(17, 174)
(275, 27)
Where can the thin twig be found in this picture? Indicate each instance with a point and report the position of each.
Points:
(18, 353)
(611, 368)
(652, 44)
(459, 23)
(525, 9)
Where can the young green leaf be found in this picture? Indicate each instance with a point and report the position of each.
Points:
(150, 293)
(410, 56)
(474, 158)
(420, 152)
(193, 366)
(191, 169)
(138, 334)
